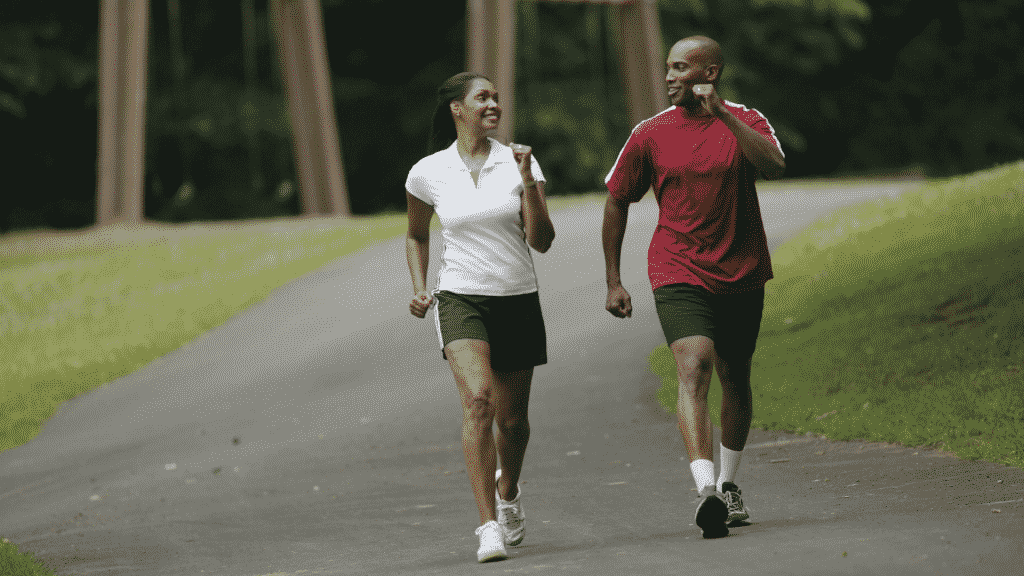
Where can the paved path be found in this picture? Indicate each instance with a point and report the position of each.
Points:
(318, 433)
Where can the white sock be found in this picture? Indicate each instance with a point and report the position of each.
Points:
(730, 464)
(703, 473)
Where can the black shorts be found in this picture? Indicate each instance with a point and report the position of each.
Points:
(731, 321)
(512, 325)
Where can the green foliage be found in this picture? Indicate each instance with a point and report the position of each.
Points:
(15, 563)
(33, 64)
(945, 100)
(899, 321)
(569, 103)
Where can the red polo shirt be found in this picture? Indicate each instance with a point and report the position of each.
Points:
(709, 230)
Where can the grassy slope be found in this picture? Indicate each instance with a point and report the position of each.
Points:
(899, 321)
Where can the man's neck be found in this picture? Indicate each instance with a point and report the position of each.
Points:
(694, 111)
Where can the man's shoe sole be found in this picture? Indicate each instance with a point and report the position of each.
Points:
(737, 520)
(711, 515)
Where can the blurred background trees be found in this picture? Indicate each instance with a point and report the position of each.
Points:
(851, 86)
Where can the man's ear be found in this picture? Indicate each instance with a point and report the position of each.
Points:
(456, 107)
(712, 72)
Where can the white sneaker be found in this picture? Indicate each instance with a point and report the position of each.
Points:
(511, 516)
(492, 543)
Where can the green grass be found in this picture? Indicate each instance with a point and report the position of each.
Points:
(15, 563)
(898, 321)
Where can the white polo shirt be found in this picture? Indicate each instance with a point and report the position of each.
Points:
(485, 250)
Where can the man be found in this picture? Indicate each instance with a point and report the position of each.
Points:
(708, 260)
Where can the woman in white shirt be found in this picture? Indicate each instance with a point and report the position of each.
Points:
(490, 202)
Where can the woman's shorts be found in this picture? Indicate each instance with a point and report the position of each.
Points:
(512, 325)
(731, 321)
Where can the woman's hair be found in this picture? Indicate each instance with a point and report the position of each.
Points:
(442, 127)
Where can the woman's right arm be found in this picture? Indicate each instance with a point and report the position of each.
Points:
(417, 252)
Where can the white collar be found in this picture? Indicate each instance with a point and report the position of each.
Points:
(494, 156)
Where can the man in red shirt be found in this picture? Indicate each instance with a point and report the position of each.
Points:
(708, 260)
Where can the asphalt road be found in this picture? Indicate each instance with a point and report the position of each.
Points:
(318, 433)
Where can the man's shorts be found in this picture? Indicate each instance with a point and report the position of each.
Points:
(731, 321)
(512, 325)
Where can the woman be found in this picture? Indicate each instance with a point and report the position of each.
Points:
(490, 202)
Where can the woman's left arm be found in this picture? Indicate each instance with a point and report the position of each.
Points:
(536, 221)
(540, 232)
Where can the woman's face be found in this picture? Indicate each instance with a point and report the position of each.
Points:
(479, 109)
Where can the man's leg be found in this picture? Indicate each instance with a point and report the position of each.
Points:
(695, 362)
(739, 318)
(737, 412)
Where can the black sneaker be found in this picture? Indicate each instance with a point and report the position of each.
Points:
(738, 513)
(712, 513)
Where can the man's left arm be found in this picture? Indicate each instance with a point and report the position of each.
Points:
(764, 154)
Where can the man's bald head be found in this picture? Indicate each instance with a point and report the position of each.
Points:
(701, 49)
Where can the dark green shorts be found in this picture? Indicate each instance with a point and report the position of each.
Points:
(731, 321)
(512, 325)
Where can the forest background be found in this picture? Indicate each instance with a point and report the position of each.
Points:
(852, 88)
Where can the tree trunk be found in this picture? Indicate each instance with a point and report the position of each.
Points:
(124, 37)
(298, 28)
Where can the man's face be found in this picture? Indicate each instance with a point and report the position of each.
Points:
(685, 68)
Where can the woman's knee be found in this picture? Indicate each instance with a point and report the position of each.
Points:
(513, 425)
(480, 406)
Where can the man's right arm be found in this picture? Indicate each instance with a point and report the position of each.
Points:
(613, 229)
(627, 182)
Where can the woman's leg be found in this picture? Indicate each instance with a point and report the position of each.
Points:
(512, 398)
(470, 361)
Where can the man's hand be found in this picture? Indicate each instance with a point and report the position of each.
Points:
(618, 302)
(420, 304)
(708, 98)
